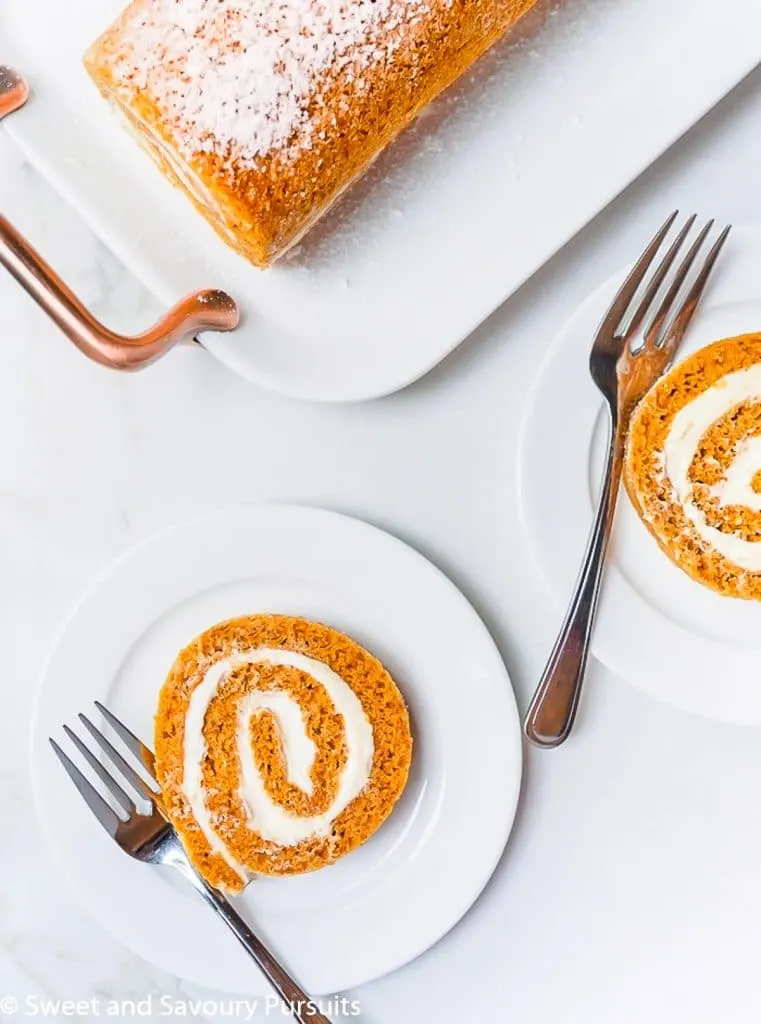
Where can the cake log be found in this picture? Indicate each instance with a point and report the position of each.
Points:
(265, 111)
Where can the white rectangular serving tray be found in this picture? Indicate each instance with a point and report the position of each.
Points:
(488, 184)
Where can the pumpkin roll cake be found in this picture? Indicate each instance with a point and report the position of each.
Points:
(281, 745)
(264, 111)
(693, 465)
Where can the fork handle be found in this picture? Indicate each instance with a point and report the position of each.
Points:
(302, 1007)
(552, 711)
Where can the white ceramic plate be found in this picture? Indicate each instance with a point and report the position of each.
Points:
(489, 183)
(385, 903)
(667, 634)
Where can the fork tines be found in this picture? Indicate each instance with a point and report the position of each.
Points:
(624, 318)
(124, 802)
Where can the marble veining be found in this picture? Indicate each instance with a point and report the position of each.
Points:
(657, 874)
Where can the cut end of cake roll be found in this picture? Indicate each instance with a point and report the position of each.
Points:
(693, 464)
(281, 745)
(263, 113)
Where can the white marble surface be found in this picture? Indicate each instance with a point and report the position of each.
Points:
(631, 889)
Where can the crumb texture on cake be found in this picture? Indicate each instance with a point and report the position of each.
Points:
(281, 745)
(693, 465)
(264, 111)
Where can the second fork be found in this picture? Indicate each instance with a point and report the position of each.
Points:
(146, 834)
(623, 372)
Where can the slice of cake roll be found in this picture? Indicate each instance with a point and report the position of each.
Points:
(693, 465)
(281, 745)
(264, 111)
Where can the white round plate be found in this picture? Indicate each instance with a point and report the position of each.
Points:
(385, 903)
(667, 634)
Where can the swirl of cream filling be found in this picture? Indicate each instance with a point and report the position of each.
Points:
(268, 819)
(684, 437)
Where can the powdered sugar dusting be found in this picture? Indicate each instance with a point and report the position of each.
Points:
(240, 78)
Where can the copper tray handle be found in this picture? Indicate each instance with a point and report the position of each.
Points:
(208, 310)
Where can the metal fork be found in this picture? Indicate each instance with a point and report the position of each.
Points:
(149, 837)
(623, 372)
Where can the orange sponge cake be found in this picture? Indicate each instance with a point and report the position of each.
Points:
(693, 465)
(281, 745)
(264, 111)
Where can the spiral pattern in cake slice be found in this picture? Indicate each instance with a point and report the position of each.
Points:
(281, 745)
(693, 465)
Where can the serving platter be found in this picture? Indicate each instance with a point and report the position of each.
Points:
(487, 185)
